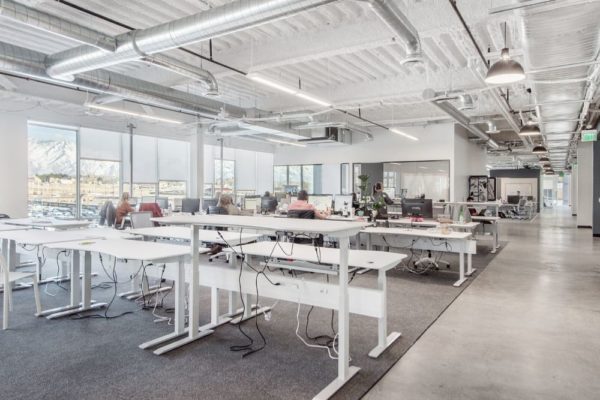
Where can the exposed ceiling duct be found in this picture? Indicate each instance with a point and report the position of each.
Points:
(401, 26)
(56, 25)
(29, 63)
(546, 54)
(219, 21)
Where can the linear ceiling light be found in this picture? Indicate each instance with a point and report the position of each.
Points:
(133, 114)
(288, 143)
(289, 90)
(399, 132)
(505, 70)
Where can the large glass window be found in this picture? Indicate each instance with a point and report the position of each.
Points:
(279, 178)
(415, 179)
(99, 182)
(52, 167)
(172, 190)
(346, 178)
(228, 176)
(293, 178)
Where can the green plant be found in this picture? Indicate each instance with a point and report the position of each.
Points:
(364, 183)
(377, 205)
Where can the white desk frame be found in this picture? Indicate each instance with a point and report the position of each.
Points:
(493, 223)
(461, 242)
(339, 229)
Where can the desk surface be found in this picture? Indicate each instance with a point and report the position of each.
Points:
(330, 256)
(472, 203)
(47, 223)
(127, 249)
(183, 233)
(433, 224)
(7, 227)
(418, 233)
(41, 237)
(489, 219)
(332, 228)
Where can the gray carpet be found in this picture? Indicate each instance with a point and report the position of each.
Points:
(100, 359)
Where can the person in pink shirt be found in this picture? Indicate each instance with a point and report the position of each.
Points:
(297, 207)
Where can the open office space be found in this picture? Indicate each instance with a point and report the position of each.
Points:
(259, 199)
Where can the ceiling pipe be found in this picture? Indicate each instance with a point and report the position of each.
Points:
(59, 26)
(391, 15)
(29, 63)
(50, 23)
(231, 17)
(459, 117)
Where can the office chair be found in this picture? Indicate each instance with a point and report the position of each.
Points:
(8, 278)
(141, 219)
(305, 214)
(4, 216)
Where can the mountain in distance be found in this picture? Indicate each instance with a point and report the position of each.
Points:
(59, 157)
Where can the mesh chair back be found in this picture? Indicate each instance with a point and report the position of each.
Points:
(141, 219)
(303, 214)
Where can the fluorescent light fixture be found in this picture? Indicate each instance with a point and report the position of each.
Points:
(274, 85)
(133, 114)
(313, 99)
(489, 166)
(288, 143)
(399, 132)
(287, 89)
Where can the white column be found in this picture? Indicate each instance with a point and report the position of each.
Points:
(197, 164)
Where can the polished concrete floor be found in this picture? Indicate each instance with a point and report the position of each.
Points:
(527, 328)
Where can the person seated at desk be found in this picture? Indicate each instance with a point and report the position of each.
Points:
(301, 208)
(382, 197)
(226, 202)
(123, 208)
(268, 202)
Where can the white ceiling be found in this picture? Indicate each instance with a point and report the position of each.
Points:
(340, 52)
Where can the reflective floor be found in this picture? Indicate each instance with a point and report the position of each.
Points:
(527, 328)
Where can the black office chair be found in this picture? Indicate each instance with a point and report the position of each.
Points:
(4, 216)
(305, 214)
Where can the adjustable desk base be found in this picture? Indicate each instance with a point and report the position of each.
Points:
(336, 385)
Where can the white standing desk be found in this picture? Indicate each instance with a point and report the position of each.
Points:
(9, 252)
(339, 229)
(362, 301)
(45, 223)
(481, 204)
(131, 250)
(433, 240)
(493, 223)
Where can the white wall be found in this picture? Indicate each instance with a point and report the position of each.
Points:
(331, 179)
(468, 159)
(585, 183)
(13, 166)
(574, 190)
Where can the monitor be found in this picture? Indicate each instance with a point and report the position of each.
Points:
(341, 201)
(177, 203)
(268, 204)
(163, 202)
(148, 199)
(417, 207)
(321, 201)
(251, 202)
(133, 201)
(513, 199)
(208, 203)
(190, 205)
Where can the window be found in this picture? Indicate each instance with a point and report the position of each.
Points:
(52, 171)
(293, 178)
(414, 179)
(346, 178)
(172, 190)
(279, 178)
(356, 170)
(228, 176)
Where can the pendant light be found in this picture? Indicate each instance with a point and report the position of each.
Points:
(544, 159)
(539, 149)
(505, 70)
(530, 128)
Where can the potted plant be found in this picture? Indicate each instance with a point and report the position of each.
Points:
(364, 186)
(377, 205)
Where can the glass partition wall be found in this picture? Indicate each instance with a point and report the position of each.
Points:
(413, 179)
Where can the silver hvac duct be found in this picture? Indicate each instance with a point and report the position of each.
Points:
(219, 21)
(53, 24)
(465, 122)
(56, 25)
(397, 22)
(29, 63)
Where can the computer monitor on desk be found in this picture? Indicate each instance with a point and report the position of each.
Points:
(417, 208)
(251, 202)
(268, 204)
(148, 199)
(208, 203)
(513, 199)
(163, 202)
(321, 201)
(190, 205)
(342, 202)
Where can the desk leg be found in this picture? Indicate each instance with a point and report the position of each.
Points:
(87, 304)
(250, 310)
(496, 244)
(384, 340)
(194, 302)
(345, 371)
(369, 242)
(9, 251)
(470, 269)
(179, 310)
(461, 270)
